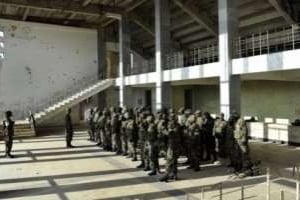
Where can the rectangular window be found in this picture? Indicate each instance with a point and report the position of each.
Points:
(2, 45)
(1, 34)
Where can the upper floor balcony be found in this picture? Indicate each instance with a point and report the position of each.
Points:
(269, 50)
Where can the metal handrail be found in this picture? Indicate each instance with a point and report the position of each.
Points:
(21, 111)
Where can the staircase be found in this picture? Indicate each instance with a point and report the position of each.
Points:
(73, 100)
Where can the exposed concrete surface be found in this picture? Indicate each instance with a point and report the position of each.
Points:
(44, 169)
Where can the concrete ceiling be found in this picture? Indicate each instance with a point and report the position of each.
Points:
(193, 22)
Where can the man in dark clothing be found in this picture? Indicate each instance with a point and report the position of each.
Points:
(8, 133)
(209, 139)
(69, 128)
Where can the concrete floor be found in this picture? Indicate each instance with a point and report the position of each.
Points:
(44, 169)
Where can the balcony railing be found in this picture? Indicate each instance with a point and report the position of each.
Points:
(21, 111)
(201, 55)
(264, 42)
(270, 41)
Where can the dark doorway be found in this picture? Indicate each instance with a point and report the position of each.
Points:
(148, 99)
(188, 99)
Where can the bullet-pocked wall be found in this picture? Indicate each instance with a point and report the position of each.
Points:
(43, 62)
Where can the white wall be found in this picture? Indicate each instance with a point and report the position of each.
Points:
(42, 61)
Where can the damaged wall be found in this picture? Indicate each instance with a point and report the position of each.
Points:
(43, 62)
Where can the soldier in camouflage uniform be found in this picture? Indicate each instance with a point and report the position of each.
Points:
(142, 131)
(173, 152)
(124, 137)
(131, 130)
(107, 133)
(209, 139)
(241, 145)
(219, 133)
(162, 123)
(98, 138)
(199, 122)
(181, 119)
(153, 145)
(229, 139)
(187, 149)
(194, 141)
(116, 132)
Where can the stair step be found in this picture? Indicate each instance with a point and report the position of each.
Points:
(25, 133)
(100, 85)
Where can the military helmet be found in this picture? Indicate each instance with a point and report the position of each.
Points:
(188, 112)
(150, 118)
(172, 117)
(191, 119)
(181, 110)
(198, 112)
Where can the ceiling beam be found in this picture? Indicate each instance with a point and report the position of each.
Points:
(129, 9)
(282, 11)
(200, 18)
(141, 23)
(86, 2)
(61, 6)
(258, 18)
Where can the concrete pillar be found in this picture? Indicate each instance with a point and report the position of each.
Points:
(102, 67)
(162, 47)
(228, 30)
(124, 56)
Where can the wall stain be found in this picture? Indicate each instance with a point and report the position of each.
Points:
(29, 73)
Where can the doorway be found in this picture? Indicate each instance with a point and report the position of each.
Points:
(188, 99)
(148, 99)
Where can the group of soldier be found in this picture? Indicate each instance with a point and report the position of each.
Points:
(169, 134)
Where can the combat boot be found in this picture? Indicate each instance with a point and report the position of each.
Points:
(142, 165)
(134, 159)
(152, 173)
(147, 168)
(164, 179)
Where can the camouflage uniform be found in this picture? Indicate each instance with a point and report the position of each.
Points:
(131, 131)
(209, 139)
(97, 128)
(199, 122)
(124, 137)
(241, 144)
(186, 138)
(173, 152)
(101, 127)
(153, 145)
(161, 123)
(181, 119)
(229, 140)
(116, 135)
(142, 131)
(107, 133)
(194, 141)
(219, 133)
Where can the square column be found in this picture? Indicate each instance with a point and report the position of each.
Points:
(162, 47)
(228, 30)
(124, 55)
(102, 67)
